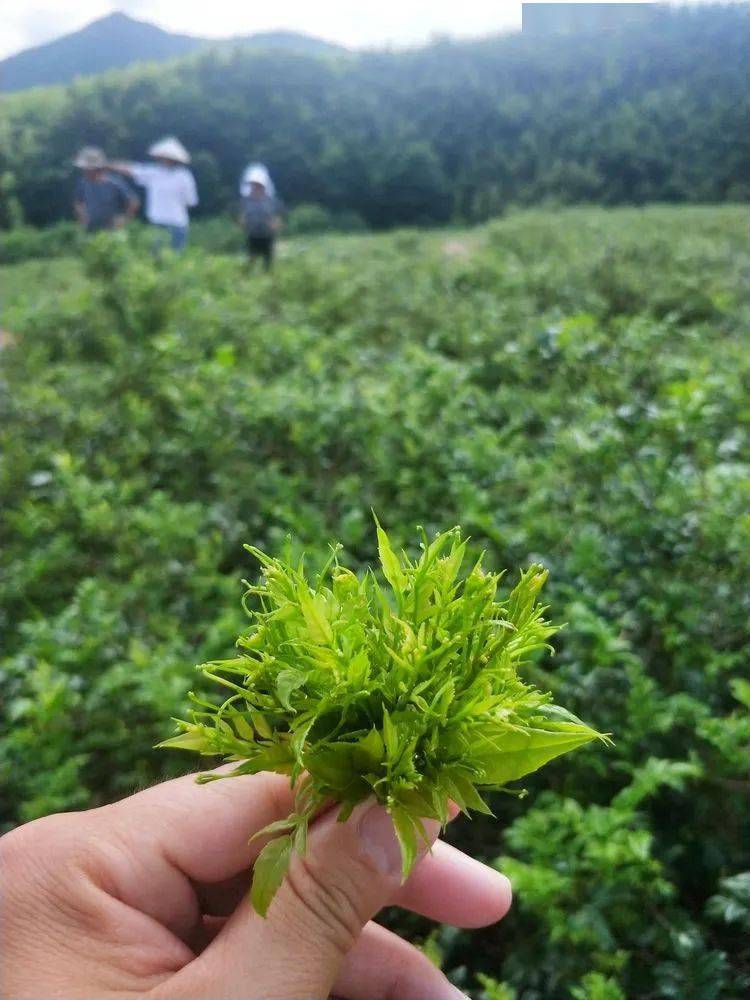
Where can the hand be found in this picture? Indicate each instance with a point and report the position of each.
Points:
(119, 166)
(149, 897)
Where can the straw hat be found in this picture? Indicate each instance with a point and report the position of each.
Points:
(90, 158)
(170, 148)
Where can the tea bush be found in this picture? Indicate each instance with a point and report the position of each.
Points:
(27, 243)
(221, 234)
(572, 388)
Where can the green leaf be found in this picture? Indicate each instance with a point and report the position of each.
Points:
(515, 754)
(243, 727)
(390, 737)
(741, 690)
(369, 751)
(461, 789)
(555, 713)
(359, 666)
(269, 757)
(287, 681)
(278, 826)
(389, 561)
(334, 769)
(314, 610)
(406, 832)
(269, 870)
(261, 725)
(194, 737)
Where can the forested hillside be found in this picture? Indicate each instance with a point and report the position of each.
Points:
(450, 131)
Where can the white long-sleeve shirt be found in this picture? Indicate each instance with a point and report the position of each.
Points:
(170, 192)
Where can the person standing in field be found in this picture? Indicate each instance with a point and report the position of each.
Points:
(170, 188)
(101, 200)
(260, 216)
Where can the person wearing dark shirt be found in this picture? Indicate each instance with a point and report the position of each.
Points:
(261, 218)
(101, 200)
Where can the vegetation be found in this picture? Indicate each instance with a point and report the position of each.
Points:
(221, 234)
(571, 387)
(412, 696)
(657, 111)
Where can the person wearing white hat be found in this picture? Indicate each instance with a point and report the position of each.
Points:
(101, 200)
(169, 185)
(255, 170)
(260, 215)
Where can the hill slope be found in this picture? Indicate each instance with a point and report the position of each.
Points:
(116, 41)
(449, 131)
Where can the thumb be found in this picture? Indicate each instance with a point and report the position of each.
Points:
(349, 871)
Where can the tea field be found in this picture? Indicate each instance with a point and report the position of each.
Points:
(571, 387)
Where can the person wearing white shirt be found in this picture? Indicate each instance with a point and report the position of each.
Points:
(169, 186)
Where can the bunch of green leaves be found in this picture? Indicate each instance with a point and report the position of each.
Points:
(413, 696)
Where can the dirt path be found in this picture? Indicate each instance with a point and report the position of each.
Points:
(461, 247)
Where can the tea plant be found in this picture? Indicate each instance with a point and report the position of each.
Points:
(572, 390)
(413, 696)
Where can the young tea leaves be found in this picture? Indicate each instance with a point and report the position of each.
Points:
(269, 870)
(411, 694)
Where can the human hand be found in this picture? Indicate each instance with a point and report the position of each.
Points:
(119, 166)
(149, 897)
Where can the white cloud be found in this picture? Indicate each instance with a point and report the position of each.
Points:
(397, 22)
(28, 24)
(388, 22)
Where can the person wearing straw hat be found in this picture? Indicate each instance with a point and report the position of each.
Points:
(260, 216)
(101, 200)
(169, 185)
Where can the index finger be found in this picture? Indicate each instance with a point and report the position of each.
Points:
(203, 830)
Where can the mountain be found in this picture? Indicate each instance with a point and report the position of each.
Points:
(117, 40)
(450, 131)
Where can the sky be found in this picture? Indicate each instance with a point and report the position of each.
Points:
(399, 22)
(24, 23)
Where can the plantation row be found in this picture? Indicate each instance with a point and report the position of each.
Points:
(571, 388)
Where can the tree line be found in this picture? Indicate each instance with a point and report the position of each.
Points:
(452, 131)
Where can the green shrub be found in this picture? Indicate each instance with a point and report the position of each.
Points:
(572, 389)
(25, 243)
(304, 219)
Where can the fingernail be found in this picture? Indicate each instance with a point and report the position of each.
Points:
(379, 841)
(506, 880)
(507, 889)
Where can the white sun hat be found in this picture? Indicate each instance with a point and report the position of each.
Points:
(256, 173)
(257, 176)
(90, 158)
(170, 148)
